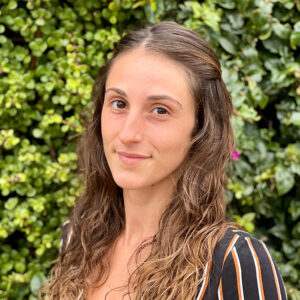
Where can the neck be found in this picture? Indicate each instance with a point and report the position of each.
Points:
(143, 209)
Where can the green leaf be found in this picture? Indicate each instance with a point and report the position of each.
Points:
(259, 19)
(3, 39)
(138, 4)
(113, 19)
(36, 282)
(282, 31)
(279, 231)
(106, 13)
(63, 100)
(236, 20)
(295, 168)
(288, 270)
(11, 142)
(249, 216)
(11, 203)
(295, 40)
(265, 32)
(249, 226)
(296, 231)
(284, 179)
(12, 4)
(295, 118)
(294, 209)
(297, 26)
(227, 45)
(40, 22)
(37, 133)
(149, 13)
(20, 267)
(229, 4)
(257, 94)
(55, 119)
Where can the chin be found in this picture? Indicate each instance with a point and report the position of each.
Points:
(130, 183)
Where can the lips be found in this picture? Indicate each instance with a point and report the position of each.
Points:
(131, 158)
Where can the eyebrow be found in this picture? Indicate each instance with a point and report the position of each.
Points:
(151, 97)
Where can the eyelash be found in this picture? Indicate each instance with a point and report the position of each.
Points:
(167, 112)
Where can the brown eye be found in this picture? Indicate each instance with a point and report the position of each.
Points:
(160, 111)
(118, 104)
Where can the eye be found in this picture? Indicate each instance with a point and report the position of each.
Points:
(118, 104)
(160, 111)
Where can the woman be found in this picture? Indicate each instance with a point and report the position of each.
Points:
(151, 222)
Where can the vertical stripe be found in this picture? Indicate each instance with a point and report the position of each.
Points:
(205, 281)
(274, 271)
(69, 237)
(220, 291)
(238, 270)
(229, 248)
(258, 270)
(80, 294)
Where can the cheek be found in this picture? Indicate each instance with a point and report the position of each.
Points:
(173, 145)
(178, 134)
(107, 129)
(107, 138)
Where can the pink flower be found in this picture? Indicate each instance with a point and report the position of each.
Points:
(235, 155)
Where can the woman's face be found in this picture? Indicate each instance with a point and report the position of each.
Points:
(147, 119)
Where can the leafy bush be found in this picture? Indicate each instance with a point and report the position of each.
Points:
(50, 54)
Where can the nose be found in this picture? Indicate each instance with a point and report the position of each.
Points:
(132, 129)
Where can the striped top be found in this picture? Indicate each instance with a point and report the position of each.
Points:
(242, 269)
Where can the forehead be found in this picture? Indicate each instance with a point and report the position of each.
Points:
(140, 69)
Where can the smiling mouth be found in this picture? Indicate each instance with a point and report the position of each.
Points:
(131, 158)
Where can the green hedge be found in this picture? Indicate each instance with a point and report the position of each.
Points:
(50, 54)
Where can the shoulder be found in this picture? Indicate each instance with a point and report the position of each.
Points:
(247, 268)
(242, 246)
(66, 235)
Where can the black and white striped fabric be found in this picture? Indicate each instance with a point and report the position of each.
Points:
(242, 269)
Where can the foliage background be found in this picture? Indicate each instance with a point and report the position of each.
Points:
(50, 53)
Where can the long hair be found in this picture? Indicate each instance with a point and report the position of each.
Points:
(195, 219)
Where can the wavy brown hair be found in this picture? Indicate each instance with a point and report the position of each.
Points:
(195, 219)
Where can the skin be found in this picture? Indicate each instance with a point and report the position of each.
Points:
(158, 128)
